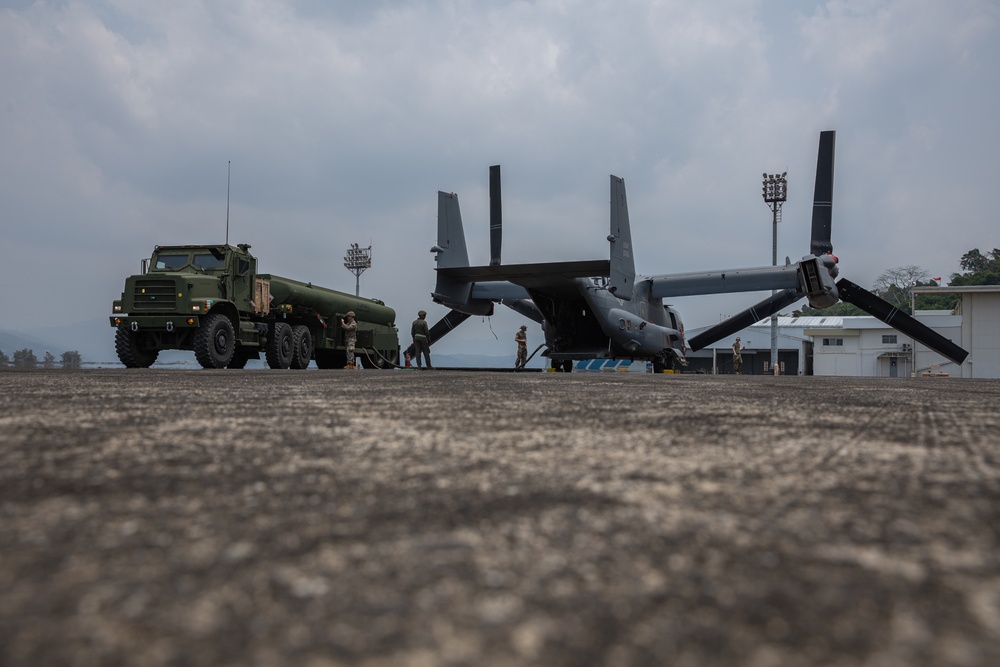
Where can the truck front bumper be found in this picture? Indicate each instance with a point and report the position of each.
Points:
(156, 322)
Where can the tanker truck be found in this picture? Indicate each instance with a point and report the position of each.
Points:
(211, 300)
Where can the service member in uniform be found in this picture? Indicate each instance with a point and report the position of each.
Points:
(521, 338)
(737, 357)
(421, 338)
(350, 328)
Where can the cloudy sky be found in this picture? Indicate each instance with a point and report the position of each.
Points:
(342, 119)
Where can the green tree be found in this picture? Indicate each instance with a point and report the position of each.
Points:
(839, 309)
(71, 359)
(942, 301)
(4, 360)
(979, 269)
(49, 360)
(25, 359)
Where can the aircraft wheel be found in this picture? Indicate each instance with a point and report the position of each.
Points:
(389, 359)
(214, 342)
(279, 346)
(302, 347)
(568, 366)
(131, 352)
(326, 359)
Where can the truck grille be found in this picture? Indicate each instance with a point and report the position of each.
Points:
(155, 295)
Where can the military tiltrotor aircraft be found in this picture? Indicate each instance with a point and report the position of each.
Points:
(602, 309)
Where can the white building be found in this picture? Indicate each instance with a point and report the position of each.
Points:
(867, 347)
(980, 329)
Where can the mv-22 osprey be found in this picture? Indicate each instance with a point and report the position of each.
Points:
(602, 309)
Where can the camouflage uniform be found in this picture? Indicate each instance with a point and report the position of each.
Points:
(521, 338)
(737, 358)
(420, 333)
(350, 337)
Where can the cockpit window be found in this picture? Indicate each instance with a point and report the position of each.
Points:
(171, 262)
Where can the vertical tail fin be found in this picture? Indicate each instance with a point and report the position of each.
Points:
(622, 261)
(450, 251)
(450, 248)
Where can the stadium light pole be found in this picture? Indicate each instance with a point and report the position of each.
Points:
(357, 260)
(775, 194)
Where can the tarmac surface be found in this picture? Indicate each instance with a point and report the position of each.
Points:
(173, 517)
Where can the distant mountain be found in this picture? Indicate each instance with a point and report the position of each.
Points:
(93, 339)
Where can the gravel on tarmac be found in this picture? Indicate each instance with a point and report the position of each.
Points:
(178, 517)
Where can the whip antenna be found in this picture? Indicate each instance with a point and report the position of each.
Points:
(229, 178)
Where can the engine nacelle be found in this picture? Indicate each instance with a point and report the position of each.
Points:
(817, 275)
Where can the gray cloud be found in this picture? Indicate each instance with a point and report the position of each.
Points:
(342, 120)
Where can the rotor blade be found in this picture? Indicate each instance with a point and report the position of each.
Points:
(496, 216)
(751, 315)
(446, 324)
(442, 327)
(897, 319)
(823, 194)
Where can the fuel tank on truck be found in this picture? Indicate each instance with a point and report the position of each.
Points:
(327, 302)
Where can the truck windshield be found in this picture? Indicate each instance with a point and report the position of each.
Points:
(170, 261)
(209, 262)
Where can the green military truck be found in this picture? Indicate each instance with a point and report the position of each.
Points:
(210, 299)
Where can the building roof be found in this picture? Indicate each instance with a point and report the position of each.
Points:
(957, 289)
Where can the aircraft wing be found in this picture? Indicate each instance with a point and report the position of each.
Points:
(520, 274)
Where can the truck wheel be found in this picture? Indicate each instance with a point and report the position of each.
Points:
(279, 346)
(302, 346)
(214, 342)
(130, 350)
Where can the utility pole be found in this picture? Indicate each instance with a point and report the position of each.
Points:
(775, 194)
(357, 260)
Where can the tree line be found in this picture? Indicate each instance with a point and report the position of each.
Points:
(26, 359)
(895, 285)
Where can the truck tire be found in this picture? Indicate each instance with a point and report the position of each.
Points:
(302, 346)
(130, 350)
(214, 342)
(279, 346)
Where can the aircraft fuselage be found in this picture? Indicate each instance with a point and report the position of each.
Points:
(594, 323)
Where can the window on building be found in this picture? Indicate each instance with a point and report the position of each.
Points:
(889, 339)
(833, 342)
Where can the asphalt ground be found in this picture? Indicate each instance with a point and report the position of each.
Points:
(167, 517)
